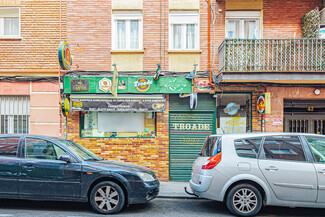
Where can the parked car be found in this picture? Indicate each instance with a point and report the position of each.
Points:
(248, 171)
(48, 168)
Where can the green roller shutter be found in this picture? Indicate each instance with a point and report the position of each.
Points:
(188, 131)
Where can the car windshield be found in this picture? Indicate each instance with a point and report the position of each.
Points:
(80, 151)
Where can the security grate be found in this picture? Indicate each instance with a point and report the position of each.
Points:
(14, 114)
(272, 55)
(319, 126)
(298, 126)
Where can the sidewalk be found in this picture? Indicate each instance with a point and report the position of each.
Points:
(174, 190)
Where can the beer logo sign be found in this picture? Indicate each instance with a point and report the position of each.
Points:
(105, 85)
(142, 84)
(65, 59)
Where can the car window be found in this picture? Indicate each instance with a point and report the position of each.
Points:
(317, 146)
(248, 147)
(42, 149)
(9, 146)
(283, 148)
(212, 146)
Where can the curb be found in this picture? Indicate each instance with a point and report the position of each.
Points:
(179, 197)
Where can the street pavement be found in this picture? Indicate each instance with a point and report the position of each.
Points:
(159, 207)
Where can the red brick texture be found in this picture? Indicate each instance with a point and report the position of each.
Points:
(279, 94)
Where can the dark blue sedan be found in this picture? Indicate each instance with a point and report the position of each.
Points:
(48, 168)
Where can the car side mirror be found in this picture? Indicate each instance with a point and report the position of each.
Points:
(65, 157)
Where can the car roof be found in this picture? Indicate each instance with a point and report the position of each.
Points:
(33, 135)
(238, 135)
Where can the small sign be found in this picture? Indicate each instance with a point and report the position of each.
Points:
(142, 84)
(79, 85)
(105, 85)
(121, 85)
(322, 31)
(277, 121)
(65, 59)
(267, 103)
(202, 86)
(65, 107)
(232, 108)
(261, 104)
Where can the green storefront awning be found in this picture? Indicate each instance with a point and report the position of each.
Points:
(138, 84)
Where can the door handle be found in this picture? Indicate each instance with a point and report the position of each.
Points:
(28, 167)
(322, 172)
(271, 168)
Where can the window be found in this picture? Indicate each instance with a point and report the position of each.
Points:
(248, 147)
(184, 30)
(127, 30)
(42, 149)
(8, 146)
(283, 148)
(212, 146)
(14, 114)
(9, 22)
(317, 146)
(243, 24)
(118, 124)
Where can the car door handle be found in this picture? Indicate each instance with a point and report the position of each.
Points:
(28, 167)
(271, 168)
(321, 171)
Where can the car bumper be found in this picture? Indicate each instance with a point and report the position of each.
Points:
(201, 184)
(144, 194)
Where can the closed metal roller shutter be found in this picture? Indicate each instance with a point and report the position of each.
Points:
(188, 131)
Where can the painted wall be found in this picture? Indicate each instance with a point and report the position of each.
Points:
(45, 112)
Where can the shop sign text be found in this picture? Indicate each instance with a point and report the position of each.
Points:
(105, 85)
(79, 85)
(142, 84)
(191, 126)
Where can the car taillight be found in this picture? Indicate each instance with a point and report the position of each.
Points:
(212, 162)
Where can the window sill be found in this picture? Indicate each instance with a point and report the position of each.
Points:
(4, 37)
(184, 51)
(127, 51)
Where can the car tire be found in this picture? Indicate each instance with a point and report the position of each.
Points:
(244, 200)
(107, 198)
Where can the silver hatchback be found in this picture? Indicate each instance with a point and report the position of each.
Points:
(248, 171)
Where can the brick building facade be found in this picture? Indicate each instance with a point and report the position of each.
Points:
(29, 67)
(92, 42)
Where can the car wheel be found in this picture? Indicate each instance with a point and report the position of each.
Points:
(244, 200)
(107, 198)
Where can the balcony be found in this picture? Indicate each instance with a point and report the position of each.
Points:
(272, 55)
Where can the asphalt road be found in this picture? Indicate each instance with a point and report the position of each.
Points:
(158, 207)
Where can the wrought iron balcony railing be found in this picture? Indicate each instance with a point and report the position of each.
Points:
(272, 55)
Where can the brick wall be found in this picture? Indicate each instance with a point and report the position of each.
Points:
(36, 52)
(282, 19)
(278, 94)
(149, 152)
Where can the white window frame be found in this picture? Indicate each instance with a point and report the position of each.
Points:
(243, 16)
(127, 15)
(2, 22)
(184, 17)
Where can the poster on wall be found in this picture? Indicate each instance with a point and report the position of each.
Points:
(234, 124)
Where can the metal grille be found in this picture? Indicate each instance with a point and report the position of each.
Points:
(14, 114)
(298, 126)
(319, 126)
(283, 55)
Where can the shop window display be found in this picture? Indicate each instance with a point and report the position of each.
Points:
(118, 124)
(233, 113)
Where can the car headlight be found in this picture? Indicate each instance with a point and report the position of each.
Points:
(146, 177)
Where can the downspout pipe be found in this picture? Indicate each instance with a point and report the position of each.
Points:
(209, 44)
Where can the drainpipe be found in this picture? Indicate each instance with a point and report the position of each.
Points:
(263, 115)
(209, 43)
